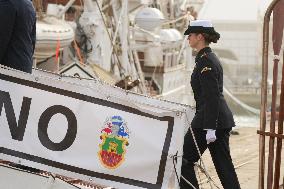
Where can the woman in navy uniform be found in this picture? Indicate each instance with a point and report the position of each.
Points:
(213, 119)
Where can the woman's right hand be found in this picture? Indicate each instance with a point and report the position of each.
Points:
(210, 136)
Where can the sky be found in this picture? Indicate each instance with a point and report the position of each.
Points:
(263, 4)
(235, 10)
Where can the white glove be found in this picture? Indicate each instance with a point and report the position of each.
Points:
(210, 135)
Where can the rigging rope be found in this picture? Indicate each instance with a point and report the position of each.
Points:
(202, 164)
(114, 49)
(240, 103)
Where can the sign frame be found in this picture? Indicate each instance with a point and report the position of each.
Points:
(78, 170)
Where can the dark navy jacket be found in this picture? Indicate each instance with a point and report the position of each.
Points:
(17, 34)
(212, 111)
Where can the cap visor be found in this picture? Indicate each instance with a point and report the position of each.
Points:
(187, 31)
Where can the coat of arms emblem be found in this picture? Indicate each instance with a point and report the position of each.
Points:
(115, 135)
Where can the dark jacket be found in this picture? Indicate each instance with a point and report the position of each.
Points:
(17, 34)
(212, 111)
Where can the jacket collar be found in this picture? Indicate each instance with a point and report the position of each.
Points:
(202, 52)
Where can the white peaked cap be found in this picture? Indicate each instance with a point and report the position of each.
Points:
(203, 23)
(201, 26)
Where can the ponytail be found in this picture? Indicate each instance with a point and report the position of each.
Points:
(209, 38)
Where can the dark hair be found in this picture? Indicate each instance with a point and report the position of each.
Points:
(211, 37)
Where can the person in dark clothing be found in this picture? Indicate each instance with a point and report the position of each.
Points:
(213, 119)
(17, 34)
(17, 40)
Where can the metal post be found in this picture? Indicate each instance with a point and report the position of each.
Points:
(264, 93)
(272, 126)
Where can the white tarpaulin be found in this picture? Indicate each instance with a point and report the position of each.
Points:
(89, 130)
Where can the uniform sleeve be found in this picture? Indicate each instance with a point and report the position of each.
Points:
(7, 20)
(210, 95)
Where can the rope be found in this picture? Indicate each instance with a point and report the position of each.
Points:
(242, 104)
(198, 173)
(187, 182)
(276, 57)
(153, 76)
(174, 157)
(78, 52)
(208, 179)
(202, 164)
(177, 19)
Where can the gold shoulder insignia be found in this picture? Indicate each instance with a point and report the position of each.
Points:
(204, 54)
(205, 69)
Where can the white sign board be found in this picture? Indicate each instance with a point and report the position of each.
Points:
(88, 130)
(28, 180)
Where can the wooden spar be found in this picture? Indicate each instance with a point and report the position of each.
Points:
(272, 126)
(278, 27)
(277, 33)
(280, 131)
(264, 93)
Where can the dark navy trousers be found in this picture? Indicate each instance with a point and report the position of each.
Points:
(220, 153)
